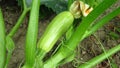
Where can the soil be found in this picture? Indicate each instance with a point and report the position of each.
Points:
(89, 47)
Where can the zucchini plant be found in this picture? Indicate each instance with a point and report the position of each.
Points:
(68, 47)
(62, 25)
(62, 21)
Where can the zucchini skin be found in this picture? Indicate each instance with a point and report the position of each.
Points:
(57, 27)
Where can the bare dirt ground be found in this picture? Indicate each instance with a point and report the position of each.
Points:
(89, 48)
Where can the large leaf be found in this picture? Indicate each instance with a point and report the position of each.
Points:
(59, 5)
(56, 5)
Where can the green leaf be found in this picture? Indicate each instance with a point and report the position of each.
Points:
(60, 5)
(10, 47)
(10, 44)
(56, 5)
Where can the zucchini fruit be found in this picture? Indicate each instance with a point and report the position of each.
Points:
(58, 26)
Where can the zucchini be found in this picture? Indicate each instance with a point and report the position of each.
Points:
(58, 26)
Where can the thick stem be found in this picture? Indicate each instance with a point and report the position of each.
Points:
(31, 37)
(53, 62)
(39, 59)
(101, 22)
(2, 41)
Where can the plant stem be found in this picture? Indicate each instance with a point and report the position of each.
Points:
(39, 59)
(11, 34)
(52, 63)
(102, 22)
(20, 20)
(8, 59)
(100, 57)
(2, 41)
(31, 37)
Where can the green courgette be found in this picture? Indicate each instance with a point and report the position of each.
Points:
(58, 26)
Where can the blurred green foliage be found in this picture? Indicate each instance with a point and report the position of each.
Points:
(59, 5)
(56, 5)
